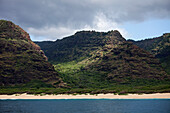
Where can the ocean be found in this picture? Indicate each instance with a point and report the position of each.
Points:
(85, 106)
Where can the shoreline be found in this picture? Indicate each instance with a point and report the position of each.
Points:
(87, 96)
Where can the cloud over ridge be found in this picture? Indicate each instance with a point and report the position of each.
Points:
(63, 17)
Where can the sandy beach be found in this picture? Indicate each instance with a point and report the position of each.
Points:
(83, 96)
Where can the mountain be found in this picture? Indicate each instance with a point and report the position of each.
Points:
(159, 47)
(86, 62)
(90, 59)
(76, 47)
(21, 60)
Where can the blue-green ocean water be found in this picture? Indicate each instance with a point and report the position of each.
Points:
(86, 106)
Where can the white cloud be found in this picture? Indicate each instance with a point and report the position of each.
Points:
(100, 23)
(49, 33)
(52, 19)
(103, 24)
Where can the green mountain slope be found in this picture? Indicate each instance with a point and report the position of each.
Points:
(159, 47)
(92, 59)
(21, 60)
(77, 47)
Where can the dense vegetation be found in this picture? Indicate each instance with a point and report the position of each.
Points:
(21, 60)
(39, 87)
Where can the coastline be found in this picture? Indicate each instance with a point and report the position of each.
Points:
(87, 96)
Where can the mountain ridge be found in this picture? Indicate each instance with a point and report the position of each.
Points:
(83, 37)
(105, 55)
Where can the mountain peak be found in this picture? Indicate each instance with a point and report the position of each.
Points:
(115, 35)
(10, 31)
(114, 32)
(14, 30)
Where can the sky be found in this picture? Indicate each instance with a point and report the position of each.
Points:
(48, 20)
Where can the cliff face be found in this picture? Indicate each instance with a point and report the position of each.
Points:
(21, 60)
